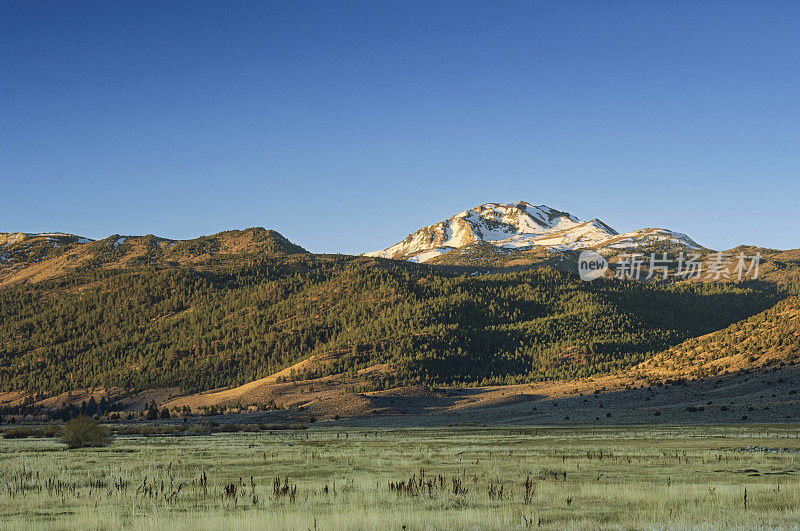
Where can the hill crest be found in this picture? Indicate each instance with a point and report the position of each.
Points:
(27, 257)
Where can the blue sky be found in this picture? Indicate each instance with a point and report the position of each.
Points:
(347, 125)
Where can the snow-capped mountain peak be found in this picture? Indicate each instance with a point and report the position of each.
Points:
(518, 226)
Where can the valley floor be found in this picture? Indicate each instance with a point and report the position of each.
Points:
(763, 396)
(425, 478)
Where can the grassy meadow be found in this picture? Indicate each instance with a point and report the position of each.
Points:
(445, 478)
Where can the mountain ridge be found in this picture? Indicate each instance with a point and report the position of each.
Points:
(26, 257)
(142, 313)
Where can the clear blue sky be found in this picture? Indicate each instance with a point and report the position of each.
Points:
(347, 125)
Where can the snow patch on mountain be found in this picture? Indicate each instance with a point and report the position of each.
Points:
(652, 236)
(7, 239)
(427, 255)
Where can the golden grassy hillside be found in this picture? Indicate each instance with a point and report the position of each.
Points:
(31, 258)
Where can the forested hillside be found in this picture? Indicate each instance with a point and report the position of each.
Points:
(236, 320)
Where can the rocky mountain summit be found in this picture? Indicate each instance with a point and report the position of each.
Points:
(522, 226)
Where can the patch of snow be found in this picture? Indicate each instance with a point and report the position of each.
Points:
(427, 255)
(641, 237)
(624, 245)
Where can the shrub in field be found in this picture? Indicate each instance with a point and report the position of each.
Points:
(17, 433)
(20, 432)
(49, 431)
(81, 432)
(199, 429)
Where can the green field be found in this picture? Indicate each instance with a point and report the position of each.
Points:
(446, 478)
